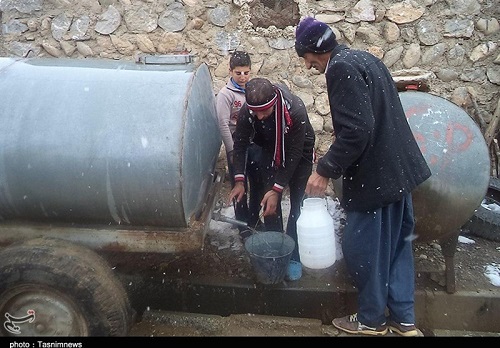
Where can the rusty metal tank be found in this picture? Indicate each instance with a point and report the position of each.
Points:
(106, 142)
(458, 157)
(457, 154)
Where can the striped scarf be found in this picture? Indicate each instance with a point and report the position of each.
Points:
(283, 124)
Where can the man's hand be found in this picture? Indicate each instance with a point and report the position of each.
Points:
(237, 192)
(270, 202)
(316, 185)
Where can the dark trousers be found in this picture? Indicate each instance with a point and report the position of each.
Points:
(377, 248)
(247, 209)
(297, 186)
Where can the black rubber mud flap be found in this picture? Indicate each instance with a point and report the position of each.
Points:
(51, 287)
(485, 223)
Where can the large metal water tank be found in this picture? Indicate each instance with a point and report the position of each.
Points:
(458, 157)
(107, 142)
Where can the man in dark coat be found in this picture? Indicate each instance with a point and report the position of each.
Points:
(380, 163)
(276, 120)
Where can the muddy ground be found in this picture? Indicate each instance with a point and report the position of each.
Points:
(224, 255)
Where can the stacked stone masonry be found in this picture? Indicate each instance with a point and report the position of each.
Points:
(454, 43)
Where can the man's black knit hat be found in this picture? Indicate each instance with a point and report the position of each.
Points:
(314, 36)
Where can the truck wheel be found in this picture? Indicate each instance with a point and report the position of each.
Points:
(485, 223)
(51, 287)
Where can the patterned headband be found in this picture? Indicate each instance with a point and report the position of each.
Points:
(264, 106)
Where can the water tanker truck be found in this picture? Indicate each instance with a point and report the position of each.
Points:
(97, 155)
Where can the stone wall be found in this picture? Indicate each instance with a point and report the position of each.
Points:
(452, 42)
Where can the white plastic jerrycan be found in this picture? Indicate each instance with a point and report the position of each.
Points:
(316, 234)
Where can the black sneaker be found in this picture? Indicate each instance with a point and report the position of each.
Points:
(350, 324)
(406, 330)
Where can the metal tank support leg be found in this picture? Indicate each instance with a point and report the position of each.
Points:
(448, 248)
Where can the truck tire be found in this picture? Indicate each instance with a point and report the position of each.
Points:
(485, 223)
(52, 287)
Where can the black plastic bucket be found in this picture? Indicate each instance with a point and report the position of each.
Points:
(270, 254)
